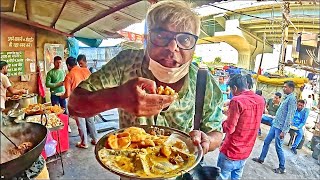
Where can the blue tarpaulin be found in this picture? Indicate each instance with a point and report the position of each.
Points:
(73, 46)
(90, 42)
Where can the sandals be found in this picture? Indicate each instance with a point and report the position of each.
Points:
(93, 142)
(80, 145)
(279, 171)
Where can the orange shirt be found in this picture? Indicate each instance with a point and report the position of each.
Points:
(74, 77)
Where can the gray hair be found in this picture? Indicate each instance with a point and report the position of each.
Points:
(173, 12)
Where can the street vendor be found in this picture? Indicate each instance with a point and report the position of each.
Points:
(129, 81)
(6, 85)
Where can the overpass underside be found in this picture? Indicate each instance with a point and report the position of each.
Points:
(245, 29)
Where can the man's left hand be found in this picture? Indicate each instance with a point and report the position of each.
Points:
(199, 137)
(281, 135)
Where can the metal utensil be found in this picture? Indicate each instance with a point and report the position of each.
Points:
(37, 136)
(13, 109)
(196, 150)
(9, 139)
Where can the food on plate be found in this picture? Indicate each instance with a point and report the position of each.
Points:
(143, 154)
(138, 134)
(53, 120)
(54, 109)
(119, 141)
(33, 109)
(22, 149)
(166, 91)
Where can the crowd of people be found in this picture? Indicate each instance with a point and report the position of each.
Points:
(129, 82)
(61, 86)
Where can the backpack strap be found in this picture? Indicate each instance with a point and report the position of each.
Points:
(200, 93)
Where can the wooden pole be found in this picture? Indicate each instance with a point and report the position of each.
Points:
(285, 32)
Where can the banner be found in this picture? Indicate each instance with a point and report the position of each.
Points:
(130, 36)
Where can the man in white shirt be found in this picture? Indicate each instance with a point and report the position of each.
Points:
(6, 85)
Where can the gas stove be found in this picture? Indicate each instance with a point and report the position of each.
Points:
(33, 171)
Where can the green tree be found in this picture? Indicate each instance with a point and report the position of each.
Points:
(217, 60)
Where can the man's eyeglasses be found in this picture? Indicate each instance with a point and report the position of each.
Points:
(162, 38)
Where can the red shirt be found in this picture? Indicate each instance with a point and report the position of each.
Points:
(241, 127)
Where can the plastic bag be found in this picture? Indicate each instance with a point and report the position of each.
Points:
(50, 146)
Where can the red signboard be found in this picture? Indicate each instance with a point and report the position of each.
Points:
(130, 36)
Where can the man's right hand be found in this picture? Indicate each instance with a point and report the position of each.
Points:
(59, 84)
(282, 134)
(139, 97)
(23, 91)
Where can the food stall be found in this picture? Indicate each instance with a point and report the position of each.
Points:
(270, 85)
(23, 48)
(21, 122)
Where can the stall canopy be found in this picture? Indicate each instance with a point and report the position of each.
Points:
(93, 19)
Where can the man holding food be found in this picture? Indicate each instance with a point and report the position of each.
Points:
(129, 81)
(6, 85)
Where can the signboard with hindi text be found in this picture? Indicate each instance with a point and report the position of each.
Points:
(15, 60)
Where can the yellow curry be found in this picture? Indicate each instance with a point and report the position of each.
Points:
(142, 154)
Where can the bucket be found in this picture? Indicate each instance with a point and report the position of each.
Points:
(316, 151)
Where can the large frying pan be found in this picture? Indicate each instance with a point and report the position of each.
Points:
(35, 133)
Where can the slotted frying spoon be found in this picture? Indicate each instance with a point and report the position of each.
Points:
(9, 139)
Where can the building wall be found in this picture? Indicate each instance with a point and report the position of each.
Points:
(40, 37)
(44, 37)
(11, 29)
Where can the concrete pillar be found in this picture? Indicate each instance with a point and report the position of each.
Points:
(252, 62)
(244, 60)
